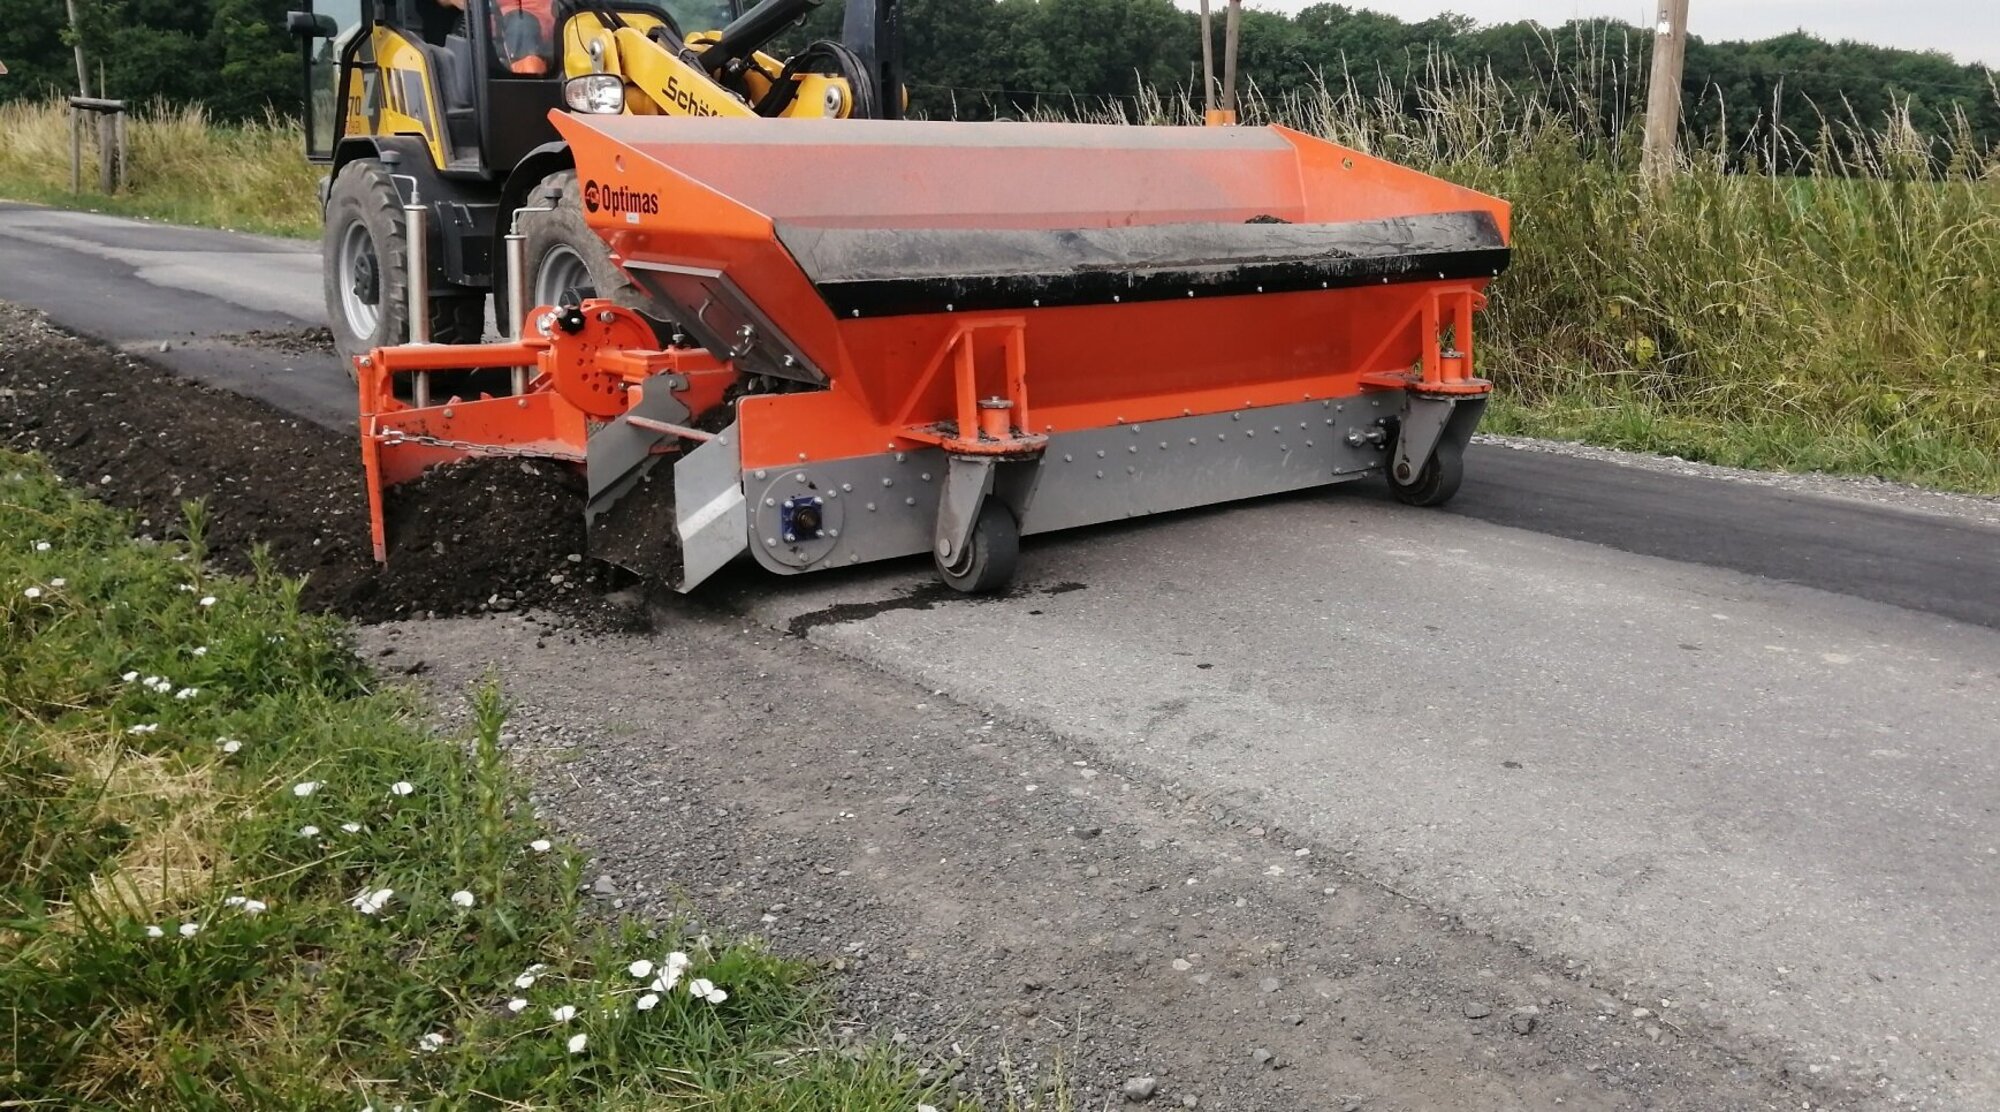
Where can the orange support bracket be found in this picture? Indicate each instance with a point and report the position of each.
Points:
(1443, 368)
(992, 425)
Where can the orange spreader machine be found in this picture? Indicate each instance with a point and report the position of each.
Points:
(899, 337)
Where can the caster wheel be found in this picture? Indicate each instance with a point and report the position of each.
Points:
(987, 564)
(1436, 483)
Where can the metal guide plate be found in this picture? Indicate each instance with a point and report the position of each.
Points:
(889, 502)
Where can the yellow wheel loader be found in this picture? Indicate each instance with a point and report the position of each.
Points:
(441, 111)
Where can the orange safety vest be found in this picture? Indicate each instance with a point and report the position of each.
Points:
(513, 14)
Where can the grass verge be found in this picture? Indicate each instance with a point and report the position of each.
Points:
(180, 167)
(238, 873)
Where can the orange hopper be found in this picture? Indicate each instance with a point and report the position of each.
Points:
(906, 337)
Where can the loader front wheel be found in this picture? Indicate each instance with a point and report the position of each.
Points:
(988, 562)
(1436, 482)
(365, 270)
(563, 254)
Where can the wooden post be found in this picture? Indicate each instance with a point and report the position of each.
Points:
(1207, 65)
(107, 151)
(1663, 93)
(75, 149)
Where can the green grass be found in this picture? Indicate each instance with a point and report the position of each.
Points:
(129, 818)
(181, 168)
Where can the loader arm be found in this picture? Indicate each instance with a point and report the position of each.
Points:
(665, 79)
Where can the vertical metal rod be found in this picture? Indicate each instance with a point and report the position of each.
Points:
(417, 265)
(517, 298)
(1230, 36)
(1207, 67)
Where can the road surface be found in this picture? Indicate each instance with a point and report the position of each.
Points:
(1727, 744)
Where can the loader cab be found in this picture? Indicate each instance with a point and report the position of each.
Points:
(474, 79)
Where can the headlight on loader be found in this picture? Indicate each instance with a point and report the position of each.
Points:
(601, 94)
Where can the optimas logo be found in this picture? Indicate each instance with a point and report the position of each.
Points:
(619, 200)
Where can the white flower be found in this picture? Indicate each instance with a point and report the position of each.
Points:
(462, 898)
(703, 988)
(160, 684)
(41, 546)
(641, 969)
(563, 1014)
(927, 1108)
(351, 827)
(430, 1042)
(235, 901)
(255, 907)
(517, 1005)
(670, 973)
(129, 676)
(186, 693)
(577, 1043)
(525, 980)
(33, 592)
(308, 831)
(539, 845)
(143, 728)
(230, 746)
(208, 600)
(155, 932)
(201, 650)
(402, 787)
(647, 1002)
(370, 901)
(58, 582)
(306, 787)
(189, 930)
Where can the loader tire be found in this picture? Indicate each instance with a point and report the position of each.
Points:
(562, 254)
(991, 555)
(364, 255)
(1436, 482)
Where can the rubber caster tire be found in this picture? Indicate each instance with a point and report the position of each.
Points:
(1436, 482)
(990, 557)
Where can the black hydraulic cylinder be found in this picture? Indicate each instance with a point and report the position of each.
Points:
(751, 30)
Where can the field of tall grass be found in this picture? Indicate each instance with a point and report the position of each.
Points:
(1747, 313)
(180, 167)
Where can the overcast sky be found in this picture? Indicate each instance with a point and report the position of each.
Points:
(1968, 30)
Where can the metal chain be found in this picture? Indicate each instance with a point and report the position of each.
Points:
(396, 436)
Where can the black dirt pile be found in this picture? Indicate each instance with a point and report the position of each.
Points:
(495, 533)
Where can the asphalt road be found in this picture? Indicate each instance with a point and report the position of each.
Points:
(1724, 744)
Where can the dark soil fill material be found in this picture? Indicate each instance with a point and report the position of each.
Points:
(478, 533)
(488, 534)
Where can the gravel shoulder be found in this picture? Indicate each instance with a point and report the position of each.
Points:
(1018, 909)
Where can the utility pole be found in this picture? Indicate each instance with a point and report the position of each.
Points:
(76, 32)
(1663, 93)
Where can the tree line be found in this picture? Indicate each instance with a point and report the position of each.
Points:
(987, 58)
